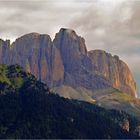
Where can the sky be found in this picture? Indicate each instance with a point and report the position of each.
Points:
(111, 25)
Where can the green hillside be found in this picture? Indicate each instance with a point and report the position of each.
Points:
(29, 110)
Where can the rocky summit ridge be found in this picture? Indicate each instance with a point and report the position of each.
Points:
(65, 61)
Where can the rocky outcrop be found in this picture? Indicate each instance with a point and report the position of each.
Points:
(4, 51)
(72, 49)
(37, 55)
(77, 65)
(66, 61)
(115, 70)
(125, 125)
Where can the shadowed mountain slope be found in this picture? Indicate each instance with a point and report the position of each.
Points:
(29, 110)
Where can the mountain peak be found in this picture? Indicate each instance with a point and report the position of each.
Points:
(69, 40)
(32, 35)
(70, 33)
(115, 70)
(68, 30)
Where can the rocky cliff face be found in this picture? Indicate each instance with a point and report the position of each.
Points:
(115, 70)
(77, 65)
(4, 51)
(65, 61)
(37, 55)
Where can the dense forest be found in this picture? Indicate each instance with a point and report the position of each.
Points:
(29, 110)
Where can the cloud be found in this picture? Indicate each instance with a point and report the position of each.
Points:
(20, 17)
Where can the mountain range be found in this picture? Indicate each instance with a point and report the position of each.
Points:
(66, 61)
(59, 89)
(72, 71)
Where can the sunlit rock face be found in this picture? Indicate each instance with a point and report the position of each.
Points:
(115, 70)
(77, 65)
(66, 61)
(72, 48)
(37, 55)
